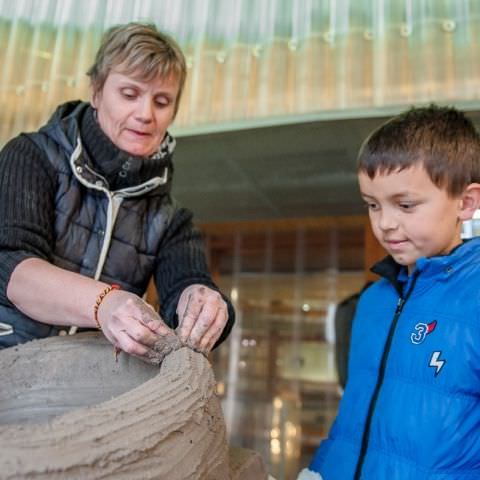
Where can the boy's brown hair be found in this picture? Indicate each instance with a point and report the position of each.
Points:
(443, 139)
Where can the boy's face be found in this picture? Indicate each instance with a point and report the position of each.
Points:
(410, 216)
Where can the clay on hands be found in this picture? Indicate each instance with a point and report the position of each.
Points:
(202, 316)
(134, 327)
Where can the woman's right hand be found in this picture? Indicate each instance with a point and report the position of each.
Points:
(133, 326)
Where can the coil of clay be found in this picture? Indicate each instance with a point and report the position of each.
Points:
(72, 412)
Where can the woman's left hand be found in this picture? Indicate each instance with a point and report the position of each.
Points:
(202, 316)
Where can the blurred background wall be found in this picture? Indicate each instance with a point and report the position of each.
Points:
(250, 59)
(279, 96)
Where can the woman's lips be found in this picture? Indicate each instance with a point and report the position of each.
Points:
(139, 133)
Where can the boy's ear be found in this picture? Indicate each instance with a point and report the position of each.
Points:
(470, 201)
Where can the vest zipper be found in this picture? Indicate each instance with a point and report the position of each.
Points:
(114, 202)
(383, 364)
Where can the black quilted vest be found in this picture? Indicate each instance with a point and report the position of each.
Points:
(109, 235)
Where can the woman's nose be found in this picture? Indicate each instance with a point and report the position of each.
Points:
(145, 111)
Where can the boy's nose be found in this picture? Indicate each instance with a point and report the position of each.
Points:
(387, 221)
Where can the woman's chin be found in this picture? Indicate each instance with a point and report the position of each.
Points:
(137, 150)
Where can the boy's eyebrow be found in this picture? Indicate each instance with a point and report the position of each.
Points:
(396, 196)
(402, 194)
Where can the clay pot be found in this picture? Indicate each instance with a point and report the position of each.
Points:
(68, 410)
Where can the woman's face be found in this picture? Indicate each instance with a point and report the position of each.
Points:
(135, 114)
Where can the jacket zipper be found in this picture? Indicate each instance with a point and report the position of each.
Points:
(383, 364)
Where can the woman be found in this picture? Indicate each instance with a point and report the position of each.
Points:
(86, 215)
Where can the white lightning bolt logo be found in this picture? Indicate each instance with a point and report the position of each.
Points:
(436, 362)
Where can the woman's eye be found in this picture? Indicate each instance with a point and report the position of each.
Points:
(128, 94)
(406, 206)
(162, 102)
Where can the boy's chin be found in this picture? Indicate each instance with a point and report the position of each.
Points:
(409, 263)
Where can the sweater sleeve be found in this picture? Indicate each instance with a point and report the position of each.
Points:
(181, 263)
(27, 197)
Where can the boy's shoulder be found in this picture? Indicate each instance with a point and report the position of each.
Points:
(465, 263)
(377, 288)
(380, 293)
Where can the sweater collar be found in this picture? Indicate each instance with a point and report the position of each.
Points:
(119, 168)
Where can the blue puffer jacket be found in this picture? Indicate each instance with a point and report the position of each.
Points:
(411, 408)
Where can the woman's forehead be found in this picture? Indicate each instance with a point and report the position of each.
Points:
(137, 78)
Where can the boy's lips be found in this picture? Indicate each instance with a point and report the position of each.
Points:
(395, 243)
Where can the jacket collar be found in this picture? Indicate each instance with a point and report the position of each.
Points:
(99, 161)
(440, 267)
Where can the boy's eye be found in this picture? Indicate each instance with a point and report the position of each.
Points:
(371, 205)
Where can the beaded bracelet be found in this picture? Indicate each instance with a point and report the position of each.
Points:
(99, 300)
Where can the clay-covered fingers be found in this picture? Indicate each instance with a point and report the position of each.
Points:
(141, 333)
(188, 310)
(131, 324)
(141, 342)
(126, 343)
(202, 316)
(211, 336)
(149, 318)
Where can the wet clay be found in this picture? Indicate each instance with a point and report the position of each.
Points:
(71, 412)
(163, 347)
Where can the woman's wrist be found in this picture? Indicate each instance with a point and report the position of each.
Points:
(98, 301)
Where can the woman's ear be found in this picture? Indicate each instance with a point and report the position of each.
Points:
(470, 201)
(93, 96)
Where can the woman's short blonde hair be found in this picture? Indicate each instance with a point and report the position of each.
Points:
(141, 50)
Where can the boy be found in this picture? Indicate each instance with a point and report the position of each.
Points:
(411, 408)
